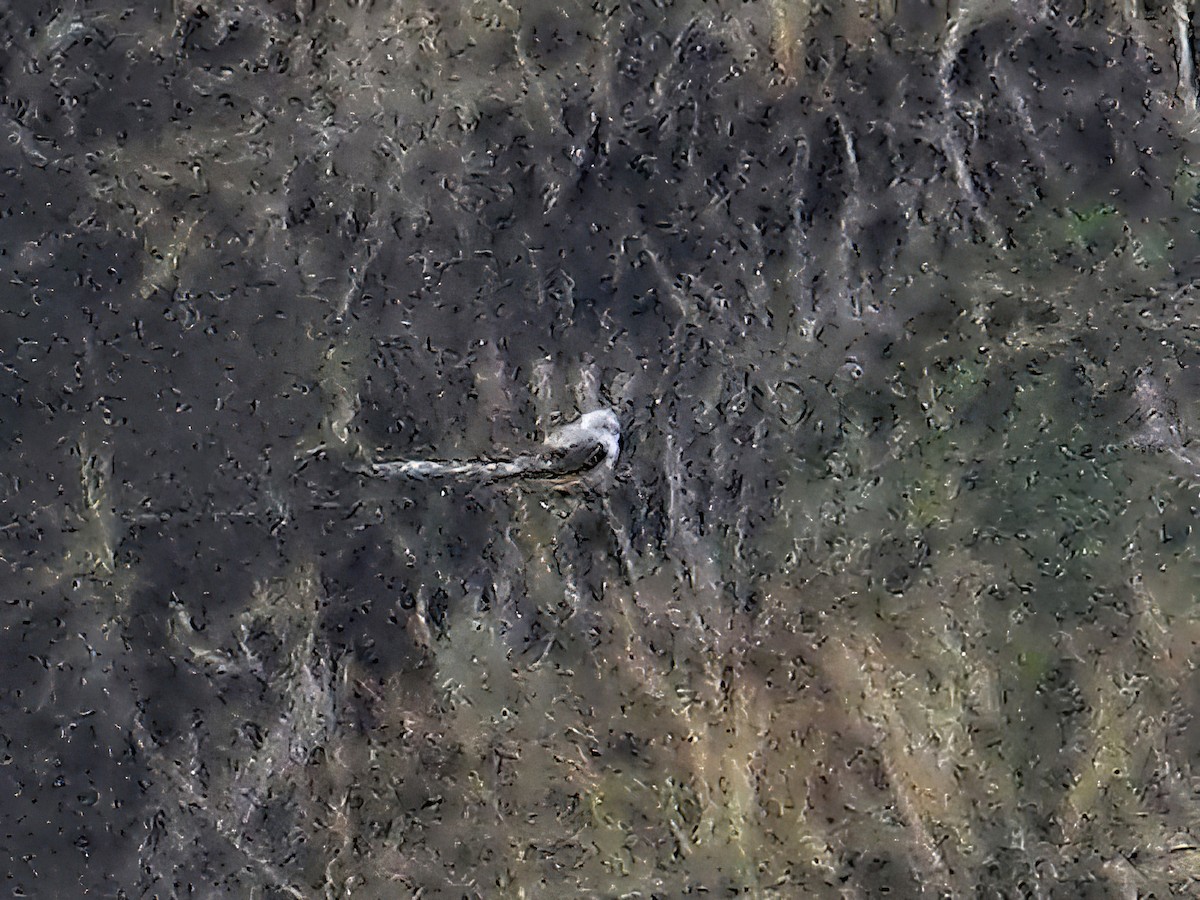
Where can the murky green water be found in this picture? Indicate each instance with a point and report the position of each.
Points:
(892, 588)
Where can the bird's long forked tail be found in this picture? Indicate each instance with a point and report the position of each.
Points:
(433, 469)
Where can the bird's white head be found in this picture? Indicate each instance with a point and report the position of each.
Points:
(600, 426)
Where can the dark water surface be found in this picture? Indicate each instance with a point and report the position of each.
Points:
(894, 584)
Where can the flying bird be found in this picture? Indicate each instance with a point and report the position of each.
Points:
(578, 454)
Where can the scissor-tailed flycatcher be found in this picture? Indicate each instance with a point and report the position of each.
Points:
(579, 453)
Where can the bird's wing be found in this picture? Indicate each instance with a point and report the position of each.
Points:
(557, 462)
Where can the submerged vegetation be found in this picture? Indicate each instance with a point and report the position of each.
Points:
(895, 582)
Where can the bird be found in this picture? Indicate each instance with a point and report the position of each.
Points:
(579, 454)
